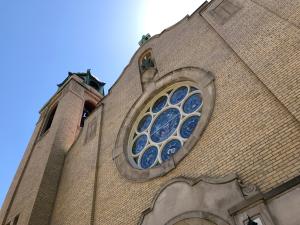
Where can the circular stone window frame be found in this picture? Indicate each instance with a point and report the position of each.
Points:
(202, 80)
(148, 110)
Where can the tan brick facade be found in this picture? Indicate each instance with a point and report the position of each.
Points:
(253, 53)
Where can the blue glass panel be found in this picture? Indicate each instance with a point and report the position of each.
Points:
(178, 95)
(188, 126)
(192, 103)
(144, 123)
(149, 157)
(139, 144)
(165, 125)
(170, 149)
(159, 104)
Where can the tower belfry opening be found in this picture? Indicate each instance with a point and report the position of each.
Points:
(87, 110)
(49, 120)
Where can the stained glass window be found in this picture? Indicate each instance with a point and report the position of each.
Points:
(159, 104)
(165, 125)
(144, 123)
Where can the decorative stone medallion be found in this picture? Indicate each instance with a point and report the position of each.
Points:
(165, 123)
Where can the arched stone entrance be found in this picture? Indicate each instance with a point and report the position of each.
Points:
(204, 201)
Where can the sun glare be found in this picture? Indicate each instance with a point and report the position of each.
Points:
(157, 15)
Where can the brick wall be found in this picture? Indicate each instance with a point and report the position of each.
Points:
(252, 49)
(251, 133)
(34, 197)
(74, 200)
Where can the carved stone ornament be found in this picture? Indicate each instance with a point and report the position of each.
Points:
(148, 77)
(248, 190)
(204, 82)
(147, 68)
(205, 200)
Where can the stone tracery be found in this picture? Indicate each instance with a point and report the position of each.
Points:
(165, 125)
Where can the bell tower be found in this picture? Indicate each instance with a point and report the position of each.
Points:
(33, 191)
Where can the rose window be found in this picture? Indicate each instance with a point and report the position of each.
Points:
(164, 126)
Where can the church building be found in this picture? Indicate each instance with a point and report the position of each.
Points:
(201, 128)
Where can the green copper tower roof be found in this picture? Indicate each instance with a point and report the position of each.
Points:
(88, 79)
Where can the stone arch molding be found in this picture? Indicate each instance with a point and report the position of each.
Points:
(205, 200)
(203, 80)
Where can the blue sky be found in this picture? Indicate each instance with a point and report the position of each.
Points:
(40, 41)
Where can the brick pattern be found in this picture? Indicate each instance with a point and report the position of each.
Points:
(224, 11)
(254, 130)
(269, 45)
(251, 132)
(66, 122)
(36, 192)
(17, 179)
(289, 12)
(75, 194)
